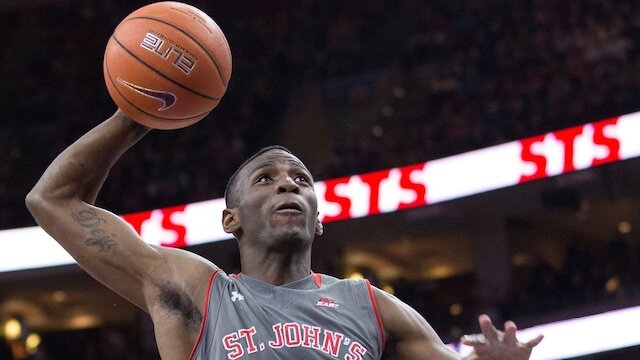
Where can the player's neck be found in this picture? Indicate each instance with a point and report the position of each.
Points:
(276, 268)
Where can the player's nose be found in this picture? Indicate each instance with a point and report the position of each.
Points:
(287, 184)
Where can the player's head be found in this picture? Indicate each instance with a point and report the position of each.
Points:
(271, 199)
(231, 191)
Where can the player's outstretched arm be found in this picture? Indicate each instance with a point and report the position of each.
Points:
(101, 242)
(411, 337)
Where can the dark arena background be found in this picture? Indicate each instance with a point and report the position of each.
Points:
(474, 157)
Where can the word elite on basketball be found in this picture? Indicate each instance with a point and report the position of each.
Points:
(183, 61)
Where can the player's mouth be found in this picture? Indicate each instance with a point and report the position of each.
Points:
(290, 208)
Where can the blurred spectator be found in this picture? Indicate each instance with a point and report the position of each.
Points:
(578, 277)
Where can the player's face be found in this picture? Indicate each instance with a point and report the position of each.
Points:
(277, 202)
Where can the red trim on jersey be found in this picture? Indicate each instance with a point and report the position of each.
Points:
(213, 277)
(317, 278)
(375, 311)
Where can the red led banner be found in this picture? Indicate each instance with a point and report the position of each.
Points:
(377, 192)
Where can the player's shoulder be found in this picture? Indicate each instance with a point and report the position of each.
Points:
(329, 280)
(180, 265)
(326, 280)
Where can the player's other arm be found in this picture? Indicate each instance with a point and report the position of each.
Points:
(411, 337)
(102, 243)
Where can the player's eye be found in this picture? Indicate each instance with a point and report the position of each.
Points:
(302, 178)
(263, 178)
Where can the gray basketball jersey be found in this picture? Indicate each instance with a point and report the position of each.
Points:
(317, 317)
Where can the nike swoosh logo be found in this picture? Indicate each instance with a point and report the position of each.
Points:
(168, 99)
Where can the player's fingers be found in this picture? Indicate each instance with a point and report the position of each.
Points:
(488, 330)
(473, 340)
(535, 341)
(510, 333)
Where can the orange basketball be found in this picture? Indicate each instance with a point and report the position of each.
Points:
(167, 65)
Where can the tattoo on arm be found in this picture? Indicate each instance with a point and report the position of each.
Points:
(98, 238)
(103, 241)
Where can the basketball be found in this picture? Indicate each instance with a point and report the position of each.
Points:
(167, 65)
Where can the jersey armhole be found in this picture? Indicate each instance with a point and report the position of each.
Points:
(205, 311)
(376, 312)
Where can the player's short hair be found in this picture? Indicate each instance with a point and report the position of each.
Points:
(231, 191)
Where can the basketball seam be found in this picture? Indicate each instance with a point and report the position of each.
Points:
(225, 82)
(160, 73)
(142, 110)
(226, 46)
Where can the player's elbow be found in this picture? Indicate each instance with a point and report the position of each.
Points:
(35, 201)
(40, 199)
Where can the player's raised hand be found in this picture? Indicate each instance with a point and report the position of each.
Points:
(495, 344)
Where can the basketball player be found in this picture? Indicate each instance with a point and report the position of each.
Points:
(277, 308)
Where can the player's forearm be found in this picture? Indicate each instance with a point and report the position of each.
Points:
(80, 170)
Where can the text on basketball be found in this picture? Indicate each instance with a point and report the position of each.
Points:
(154, 43)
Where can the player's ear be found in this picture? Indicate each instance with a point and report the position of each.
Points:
(319, 227)
(230, 221)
